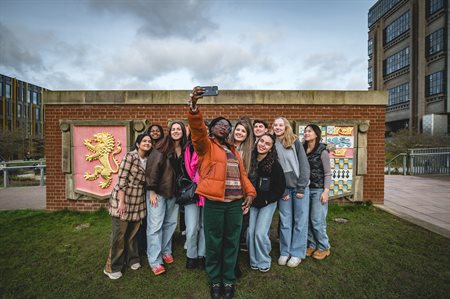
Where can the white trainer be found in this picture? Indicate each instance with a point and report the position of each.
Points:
(294, 262)
(282, 260)
(113, 275)
(135, 266)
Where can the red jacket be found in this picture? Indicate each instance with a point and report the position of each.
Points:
(213, 162)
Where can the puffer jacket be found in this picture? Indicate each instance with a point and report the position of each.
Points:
(213, 162)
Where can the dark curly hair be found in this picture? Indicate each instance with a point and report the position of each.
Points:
(266, 164)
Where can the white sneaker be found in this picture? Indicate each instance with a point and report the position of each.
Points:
(282, 260)
(135, 266)
(294, 262)
(113, 275)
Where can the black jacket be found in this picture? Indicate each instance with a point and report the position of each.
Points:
(269, 185)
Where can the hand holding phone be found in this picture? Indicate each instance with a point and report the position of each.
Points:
(210, 91)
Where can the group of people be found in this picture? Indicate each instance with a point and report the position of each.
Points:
(242, 174)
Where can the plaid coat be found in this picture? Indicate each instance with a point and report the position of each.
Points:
(131, 181)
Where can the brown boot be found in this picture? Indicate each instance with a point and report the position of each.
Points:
(310, 251)
(321, 254)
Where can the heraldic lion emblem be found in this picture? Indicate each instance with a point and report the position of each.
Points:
(102, 148)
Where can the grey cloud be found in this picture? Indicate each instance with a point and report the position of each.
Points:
(15, 53)
(205, 62)
(161, 19)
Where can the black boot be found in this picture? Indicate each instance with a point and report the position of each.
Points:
(201, 263)
(191, 263)
(228, 291)
(216, 291)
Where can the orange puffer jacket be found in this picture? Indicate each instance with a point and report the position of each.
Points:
(213, 162)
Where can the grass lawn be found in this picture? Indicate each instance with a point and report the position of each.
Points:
(374, 255)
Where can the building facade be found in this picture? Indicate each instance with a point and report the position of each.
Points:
(22, 116)
(408, 49)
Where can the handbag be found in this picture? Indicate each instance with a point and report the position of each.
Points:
(185, 188)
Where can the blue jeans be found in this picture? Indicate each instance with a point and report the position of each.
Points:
(317, 229)
(258, 241)
(161, 224)
(195, 234)
(294, 214)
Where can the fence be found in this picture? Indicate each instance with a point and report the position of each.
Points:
(422, 161)
(10, 168)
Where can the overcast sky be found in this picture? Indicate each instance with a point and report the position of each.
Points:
(176, 44)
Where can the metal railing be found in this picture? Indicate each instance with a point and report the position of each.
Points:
(18, 165)
(422, 161)
(429, 161)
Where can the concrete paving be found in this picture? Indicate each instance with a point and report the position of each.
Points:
(17, 198)
(423, 200)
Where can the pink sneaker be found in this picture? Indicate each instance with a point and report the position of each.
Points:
(157, 270)
(168, 258)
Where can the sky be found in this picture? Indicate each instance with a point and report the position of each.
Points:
(178, 44)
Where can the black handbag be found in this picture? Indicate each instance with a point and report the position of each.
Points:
(185, 188)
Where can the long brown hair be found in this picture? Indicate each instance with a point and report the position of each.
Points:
(167, 144)
(246, 145)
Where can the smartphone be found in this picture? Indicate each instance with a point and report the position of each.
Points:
(210, 91)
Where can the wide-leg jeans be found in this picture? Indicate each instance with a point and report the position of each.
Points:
(161, 224)
(294, 215)
(317, 228)
(195, 234)
(258, 241)
(123, 245)
(222, 222)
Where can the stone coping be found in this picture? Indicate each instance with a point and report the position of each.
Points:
(243, 97)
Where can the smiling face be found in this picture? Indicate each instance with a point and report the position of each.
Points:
(264, 145)
(145, 144)
(176, 132)
(221, 129)
(155, 133)
(259, 129)
(309, 134)
(279, 127)
(240, 134)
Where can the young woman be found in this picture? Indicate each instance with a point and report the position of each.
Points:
(228, 192)
(127, 208)
(320, 179)
(161, 173)
(195, 235)
(156, 132)
(294, 206)
(267, 176)
(243, 139)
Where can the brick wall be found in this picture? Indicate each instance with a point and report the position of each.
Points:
(373, 181)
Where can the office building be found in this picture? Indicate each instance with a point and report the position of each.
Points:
(22, 116)
(408, 46)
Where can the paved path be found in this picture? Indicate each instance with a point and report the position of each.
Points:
(16, 198)
(424, 201)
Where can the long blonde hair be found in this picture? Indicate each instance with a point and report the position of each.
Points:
(246, 146)
(289, 137)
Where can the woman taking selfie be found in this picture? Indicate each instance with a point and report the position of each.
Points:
(228, 193)
(161, 173)
(267, 176)
(127, 208)
(293, 207)
(320, 179)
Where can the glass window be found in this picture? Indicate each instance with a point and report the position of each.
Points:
(29, 96)
(8, 91)
(370, 74)
(435, 83)
(398, 94)
(38, 114)
(379, 9)
(397, 28)
(1, 88)
(370, 46)
(435, 42)
(34, 97)
(434, 6)
(19, 111)
(396, 62)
